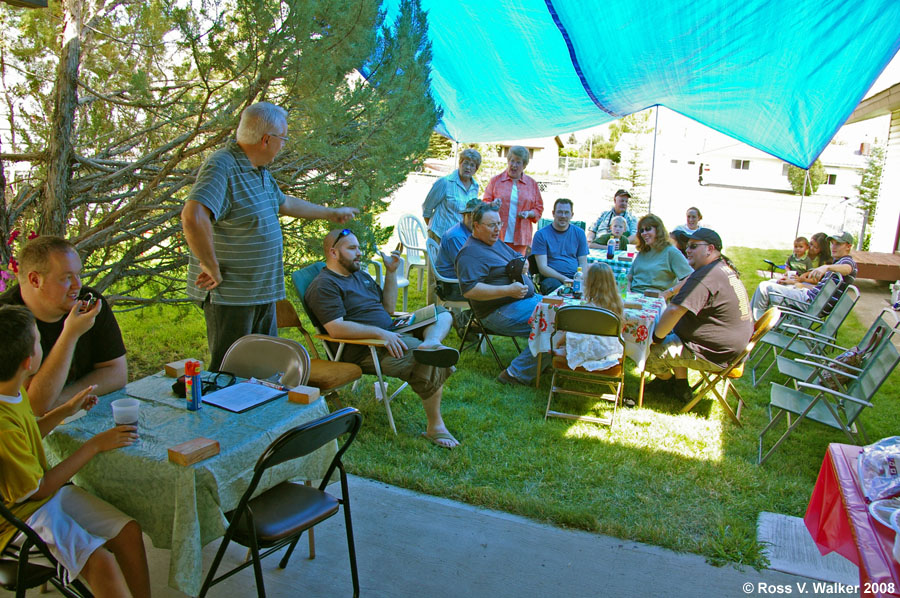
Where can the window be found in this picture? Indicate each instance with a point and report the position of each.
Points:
(830, 179)
(784, 169)
(740, 164)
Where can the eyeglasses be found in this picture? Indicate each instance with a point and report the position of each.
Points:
(494, 226)
(647, 229)
(285, 139)
(693, 246)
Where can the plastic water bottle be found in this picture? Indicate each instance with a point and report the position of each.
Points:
(622, 283)
(611, 246)
(577, 283)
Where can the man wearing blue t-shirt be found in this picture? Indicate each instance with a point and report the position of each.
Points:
(560, 248)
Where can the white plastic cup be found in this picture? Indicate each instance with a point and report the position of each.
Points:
(125, 411)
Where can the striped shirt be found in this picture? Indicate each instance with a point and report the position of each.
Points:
(244, 201)
(603, 224)
(842, 286)
(445, 202)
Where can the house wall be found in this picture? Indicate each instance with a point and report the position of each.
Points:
(771, 173)
(887, 214)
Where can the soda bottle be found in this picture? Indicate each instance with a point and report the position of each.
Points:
(577, 283)
(622, 283)
(611, 247)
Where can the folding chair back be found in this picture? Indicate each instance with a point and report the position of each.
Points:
(839, 312)
(278, 516)
(585, 319)
(484, 336)
(413, 234)
(434, 251)
(17, 574)
(262, 356)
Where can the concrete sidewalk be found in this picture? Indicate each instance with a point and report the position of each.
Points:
(414, 545)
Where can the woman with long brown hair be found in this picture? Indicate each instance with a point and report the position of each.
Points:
(658, 266)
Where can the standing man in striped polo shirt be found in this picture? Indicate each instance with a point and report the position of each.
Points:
(230, 221)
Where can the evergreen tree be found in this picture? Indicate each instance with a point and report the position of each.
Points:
(816, 177)
(116, 104)
(870, 185)
(439, 146)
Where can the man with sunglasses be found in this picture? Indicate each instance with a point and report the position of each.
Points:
(707, 323)
(231, 225)
(345, 301)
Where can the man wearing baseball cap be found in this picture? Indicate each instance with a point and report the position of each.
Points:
(451, 242)
(603, 224)
(707, 323)
(771, 292)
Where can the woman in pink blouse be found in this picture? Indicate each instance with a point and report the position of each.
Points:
(518, 198)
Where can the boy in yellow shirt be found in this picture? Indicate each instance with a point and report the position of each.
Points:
(88, 536)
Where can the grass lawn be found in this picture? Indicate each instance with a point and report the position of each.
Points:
(686, 482)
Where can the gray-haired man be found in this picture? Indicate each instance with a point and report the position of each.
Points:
(231, 225)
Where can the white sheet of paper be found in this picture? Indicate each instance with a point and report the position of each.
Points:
(242, 396)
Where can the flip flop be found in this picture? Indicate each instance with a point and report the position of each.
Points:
(441, 436)
(439, 356)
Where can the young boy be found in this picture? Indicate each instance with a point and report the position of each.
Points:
(617, 226)
(798, 261)
(89, 537)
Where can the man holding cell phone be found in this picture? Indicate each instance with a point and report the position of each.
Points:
(79, 333)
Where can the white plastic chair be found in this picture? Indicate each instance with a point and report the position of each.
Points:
(413, 234)
(433, 252)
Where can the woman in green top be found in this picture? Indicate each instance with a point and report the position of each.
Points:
(658, 266)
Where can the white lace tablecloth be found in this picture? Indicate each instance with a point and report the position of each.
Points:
(637, 330)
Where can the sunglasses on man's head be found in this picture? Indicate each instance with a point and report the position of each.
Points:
(340, 236)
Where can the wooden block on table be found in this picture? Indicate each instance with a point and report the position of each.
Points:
(553, 300)
(193, 451)
(303, 394)
(176, 368)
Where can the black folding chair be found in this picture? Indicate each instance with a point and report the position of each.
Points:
(279, 516)
(17, 574)
(483, 335)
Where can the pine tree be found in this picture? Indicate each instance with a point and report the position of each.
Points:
(116, 104)
(870, 185)
(816, 177)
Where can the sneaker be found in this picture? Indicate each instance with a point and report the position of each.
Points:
(504, 378)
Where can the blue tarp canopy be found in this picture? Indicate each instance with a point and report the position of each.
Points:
(780, 75)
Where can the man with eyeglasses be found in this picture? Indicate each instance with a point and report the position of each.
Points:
(345, 301)
(772, 292)
(707, 323)
(504, 305)
(230, 221)
(603, 224)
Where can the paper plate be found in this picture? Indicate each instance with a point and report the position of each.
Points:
(883, 510)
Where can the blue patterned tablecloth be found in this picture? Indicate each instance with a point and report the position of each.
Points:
(599, 255)
(182, 508)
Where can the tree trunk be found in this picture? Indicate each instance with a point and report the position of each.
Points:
(65, 100)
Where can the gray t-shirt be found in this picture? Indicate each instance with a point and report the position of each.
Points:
(479, 262)
(244, 201)
(355, 298)
(658, 269)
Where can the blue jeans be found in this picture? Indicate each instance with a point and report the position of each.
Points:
(512, 319)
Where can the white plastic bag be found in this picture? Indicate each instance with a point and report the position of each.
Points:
(879, 469)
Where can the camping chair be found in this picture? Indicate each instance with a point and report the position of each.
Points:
(278, 517)
(328, 376)
(839, 410)
(483, 334)
(801, 338)
(812, 366)
(263, 356)
(600, 322)
(733, 370)
(334, 347)
(412, 232)
(17, 574)
(772, 267)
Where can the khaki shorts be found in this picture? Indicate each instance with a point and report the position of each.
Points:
(671, 353)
